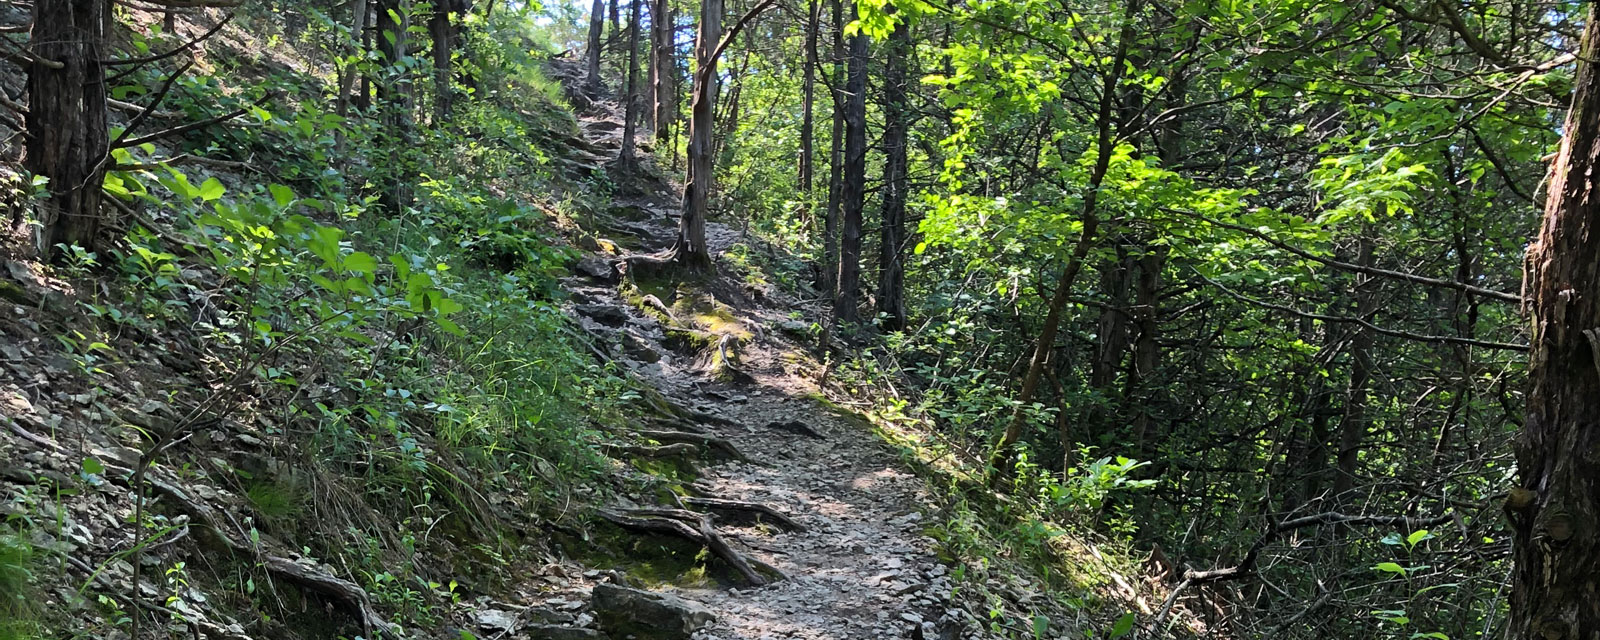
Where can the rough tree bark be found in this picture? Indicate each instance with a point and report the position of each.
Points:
(66, 120)
(626, 161)
(591, 55)
(852, 181)
(1555, 508)
(892, 239)
(691, 250)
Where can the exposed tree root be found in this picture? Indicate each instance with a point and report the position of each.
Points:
(695, 527)
(681, 449)
(342, 591)
(747, 511)
(708, 441)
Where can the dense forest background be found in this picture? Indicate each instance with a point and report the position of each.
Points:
(1195, 318)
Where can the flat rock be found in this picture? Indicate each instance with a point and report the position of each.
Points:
(555, 632)
(647, 615)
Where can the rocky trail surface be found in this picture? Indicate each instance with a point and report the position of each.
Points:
(856, 564)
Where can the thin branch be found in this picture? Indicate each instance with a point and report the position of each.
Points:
(1247, 566)
(1371, 271)
(161, 94)
(1395, 333)
(190, 127)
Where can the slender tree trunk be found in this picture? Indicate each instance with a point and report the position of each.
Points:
(616, 19)
(66, 121)
(347, 79)
(443, 29)
(592, 86)
(1353, 428)
(1111, 342)
(1555, 508)
(808, 89)
(647, 100)
(396, 103)
(368, 39)
(662, 58)
(1104, 145)
(625, 157)
(691, 250)
(853, 179)
(1146, 348)
(828, 282)
(897, 121)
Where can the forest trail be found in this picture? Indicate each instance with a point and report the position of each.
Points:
(861, 567)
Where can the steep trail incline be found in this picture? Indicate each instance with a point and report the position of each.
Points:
(861, 568)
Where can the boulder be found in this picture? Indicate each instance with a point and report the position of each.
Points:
(606, 314)
(597, 268)
(647, 615)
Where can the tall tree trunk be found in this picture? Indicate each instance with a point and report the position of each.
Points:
(1111, 342)
(1555, 508)
(597, 24)
(66, 120)
(666, 91)
(625, 158)
(442, 27)
(647, 100)
(828, 280)
(808, 90)
(1105, 143)
(897, 120)
(1355, 424)
(347, 78)
(616, 20)
(852, 181)
(691, 250)
(1146, 347)
(395, 99)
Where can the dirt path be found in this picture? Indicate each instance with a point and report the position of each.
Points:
(862, 567)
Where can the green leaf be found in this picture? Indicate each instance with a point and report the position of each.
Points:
(1390, 567)
(93, 467)
(281, 194)
(1418, 536)
(1123, 626)
(361, 262)
(211, 189)
(1040, 624)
